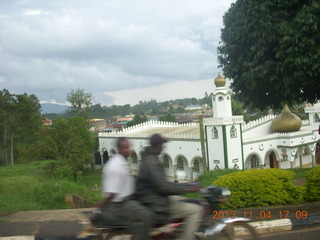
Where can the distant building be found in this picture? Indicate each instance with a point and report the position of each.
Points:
(176, 106)
(106, 129)
(46, 121)
(194, 107)
(123, 120)
(97, 124)
(152, 118)
(268, 142)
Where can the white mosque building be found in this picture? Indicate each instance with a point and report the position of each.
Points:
(226, 141)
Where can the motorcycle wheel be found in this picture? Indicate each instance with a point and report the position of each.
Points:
(237, 231)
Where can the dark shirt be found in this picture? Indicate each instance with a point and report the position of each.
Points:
(153, 189)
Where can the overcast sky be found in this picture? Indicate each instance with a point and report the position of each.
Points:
(120, 51)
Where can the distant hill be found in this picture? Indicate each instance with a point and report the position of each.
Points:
(52, 108)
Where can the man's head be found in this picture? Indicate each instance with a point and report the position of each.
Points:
(124, 147)
(157, 141)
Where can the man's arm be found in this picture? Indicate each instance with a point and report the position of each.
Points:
(160, 183)
(101, 203)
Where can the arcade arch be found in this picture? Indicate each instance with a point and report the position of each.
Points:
(197, 168)
(271, 159)
(167, 165)
(182, 168)
(253, 161)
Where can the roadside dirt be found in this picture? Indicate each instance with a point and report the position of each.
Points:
(300, 181)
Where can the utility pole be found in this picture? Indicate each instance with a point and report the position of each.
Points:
(12, 162)
(5, 142)
(203, 147)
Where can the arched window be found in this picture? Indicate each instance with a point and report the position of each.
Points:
(180, 165)
(284, 155)
(165, 162)
(254, 161)
(134, 158)
(214, 132)
(233, 132)
(316, 118)
(196, 166)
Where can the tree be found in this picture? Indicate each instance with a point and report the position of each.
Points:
(270, 49)
(137, 119)
(81, 103)
(20, 119)
(168, 118)
(69, 142)
(7, 102)
(27, 123)
(28, 107)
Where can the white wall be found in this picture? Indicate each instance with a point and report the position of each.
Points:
(234, 148)
(187, 148)
(215, 148)
(260, 129)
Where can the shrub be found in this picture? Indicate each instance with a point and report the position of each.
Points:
(313, 184)
(27, 153)
(207, 179)
(210, 176)
(260, 188)
(49, 166)
(62, 169)
(51, 194)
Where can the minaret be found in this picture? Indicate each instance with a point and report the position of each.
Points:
(223, 131)
(221, 99)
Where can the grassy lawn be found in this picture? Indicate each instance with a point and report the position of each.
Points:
(300, 172)
(27, 187)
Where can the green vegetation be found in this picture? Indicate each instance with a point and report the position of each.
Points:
(70, 142)
(313, 184)
(267, 47)
(137, 119)
(300, 172)
(143, 108)
(25, 139)
(28, 187)
(33, 186)
(20, 120)
(168, 118)
(80, 102)
(261, 188)
(209, 177)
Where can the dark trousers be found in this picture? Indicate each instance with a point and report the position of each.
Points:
(139, 218)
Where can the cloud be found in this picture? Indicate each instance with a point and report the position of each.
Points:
(106, 46)
(177, 90)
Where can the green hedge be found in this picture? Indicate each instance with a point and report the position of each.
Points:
(313, 184)
(261, 188)
(208, 177)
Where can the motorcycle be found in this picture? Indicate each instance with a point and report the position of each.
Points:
(104, 226)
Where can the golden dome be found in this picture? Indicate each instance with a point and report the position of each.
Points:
(286, 121)
(220, 81)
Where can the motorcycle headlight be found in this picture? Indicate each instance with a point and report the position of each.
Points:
(225, 192)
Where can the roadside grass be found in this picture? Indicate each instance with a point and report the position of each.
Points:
(26, 187)
(208, 178)
(300, 172)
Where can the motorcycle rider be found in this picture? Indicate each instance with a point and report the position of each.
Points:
(118, 187)
(154, 190)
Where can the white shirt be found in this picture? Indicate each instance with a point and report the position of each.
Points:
(116, 178)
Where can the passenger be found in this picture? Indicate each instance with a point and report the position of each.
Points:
(118, 187)
(153, 190)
